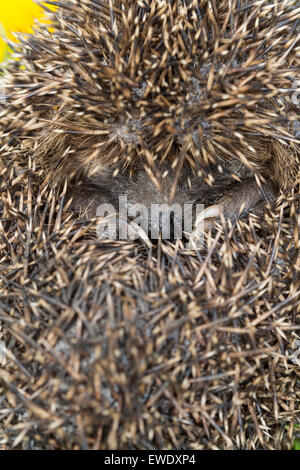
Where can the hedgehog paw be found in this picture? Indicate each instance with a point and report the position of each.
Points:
(241, 199)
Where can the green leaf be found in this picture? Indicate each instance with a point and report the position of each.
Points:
(297, 444)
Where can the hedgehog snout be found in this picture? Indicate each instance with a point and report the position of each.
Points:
(135, 206)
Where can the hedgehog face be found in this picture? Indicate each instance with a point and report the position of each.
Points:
(180, 199)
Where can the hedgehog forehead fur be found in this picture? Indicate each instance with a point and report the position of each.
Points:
(126, 83)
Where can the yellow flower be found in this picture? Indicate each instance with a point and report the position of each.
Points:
(17, 16)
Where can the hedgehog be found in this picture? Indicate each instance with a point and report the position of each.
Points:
(111, 345)
(117, 344)
(185, 102)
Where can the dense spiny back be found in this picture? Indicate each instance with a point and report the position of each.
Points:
(139, 81)
(109, 345)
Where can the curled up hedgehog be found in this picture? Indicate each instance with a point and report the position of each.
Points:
(181, 101)
(109, 344)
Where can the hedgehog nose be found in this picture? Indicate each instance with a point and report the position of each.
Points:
(165, 225)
